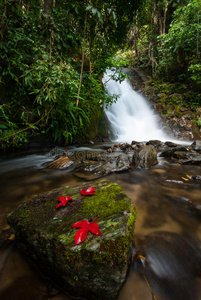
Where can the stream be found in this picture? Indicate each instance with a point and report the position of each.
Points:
(166, 248)
(167, 233)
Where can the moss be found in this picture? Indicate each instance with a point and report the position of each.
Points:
(109, 200)
(46, 234)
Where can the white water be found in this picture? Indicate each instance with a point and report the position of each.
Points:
(131, 117)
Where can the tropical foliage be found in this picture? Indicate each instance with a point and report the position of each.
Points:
(52, 57)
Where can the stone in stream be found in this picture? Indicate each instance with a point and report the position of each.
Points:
(61, 162)
(93, 170)
(145, 157)
(96, 268)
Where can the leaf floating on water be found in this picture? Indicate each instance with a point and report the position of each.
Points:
(64, 201)
(90, 191)
(186, 179)
(86, 226)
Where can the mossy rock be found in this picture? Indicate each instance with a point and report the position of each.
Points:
(145, 157)
(97, 267)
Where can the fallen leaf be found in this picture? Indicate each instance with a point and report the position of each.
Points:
(63, 201)
(90, 191)
(86, 226)
(141, 257)
(178, 164)
(186, 179)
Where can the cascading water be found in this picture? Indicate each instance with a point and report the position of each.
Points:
(131, 117)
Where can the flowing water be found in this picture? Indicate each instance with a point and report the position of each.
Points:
(167, 233)
(131, 117)
(166, 253)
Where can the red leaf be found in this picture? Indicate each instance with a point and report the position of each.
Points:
(94, 228)
(80, 224)
(81, 234)
(63, 201)
(89, 191)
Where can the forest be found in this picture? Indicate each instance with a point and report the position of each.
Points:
(54, 53)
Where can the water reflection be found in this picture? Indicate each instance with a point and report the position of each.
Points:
(167, 233)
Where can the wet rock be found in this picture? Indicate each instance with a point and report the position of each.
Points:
(175, 152)
(94, 170)
(170, 144)
(155, 143)
(145, 157)
(120, 147)
(94, 269)
(191, 159)
(181, 155)
(136, 143)
(62, 162)
(196, 145)
(196, 177)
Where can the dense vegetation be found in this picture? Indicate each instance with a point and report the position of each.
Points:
(53, 54)
(52, 57)
(165, 40)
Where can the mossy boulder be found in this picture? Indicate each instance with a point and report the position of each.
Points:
(97, 267)
(145, 157)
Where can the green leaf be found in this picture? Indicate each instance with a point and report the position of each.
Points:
(3, 126)
(94, 11)
(89, 7)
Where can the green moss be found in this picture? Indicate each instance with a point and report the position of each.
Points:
(115, 215)
(109, 200)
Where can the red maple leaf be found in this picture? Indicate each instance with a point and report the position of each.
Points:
(89, 191)
(86, 226)
(64, 201)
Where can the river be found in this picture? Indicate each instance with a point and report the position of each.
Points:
(166, 248)
(167, 234)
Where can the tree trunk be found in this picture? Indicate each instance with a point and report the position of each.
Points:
(135, 40)
(82, 66)
(2, 23)
(90, 58)
(47, 6)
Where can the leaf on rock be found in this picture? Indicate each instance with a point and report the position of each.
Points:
(86, 226)
(90, 191)
(63, 201)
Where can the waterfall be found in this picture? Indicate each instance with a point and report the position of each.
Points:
(131, 117)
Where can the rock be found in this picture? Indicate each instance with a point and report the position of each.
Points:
(170, 144)
(155, 143)
(95, 269)
(145, 157)
(196, 177)
(120, 147)
(62, 162)
(94, 170)
(159, 106)
(191, 159)
(196, 145)
(182, 155)
(175, 152)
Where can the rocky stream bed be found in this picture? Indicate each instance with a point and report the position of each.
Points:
(163, 182)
